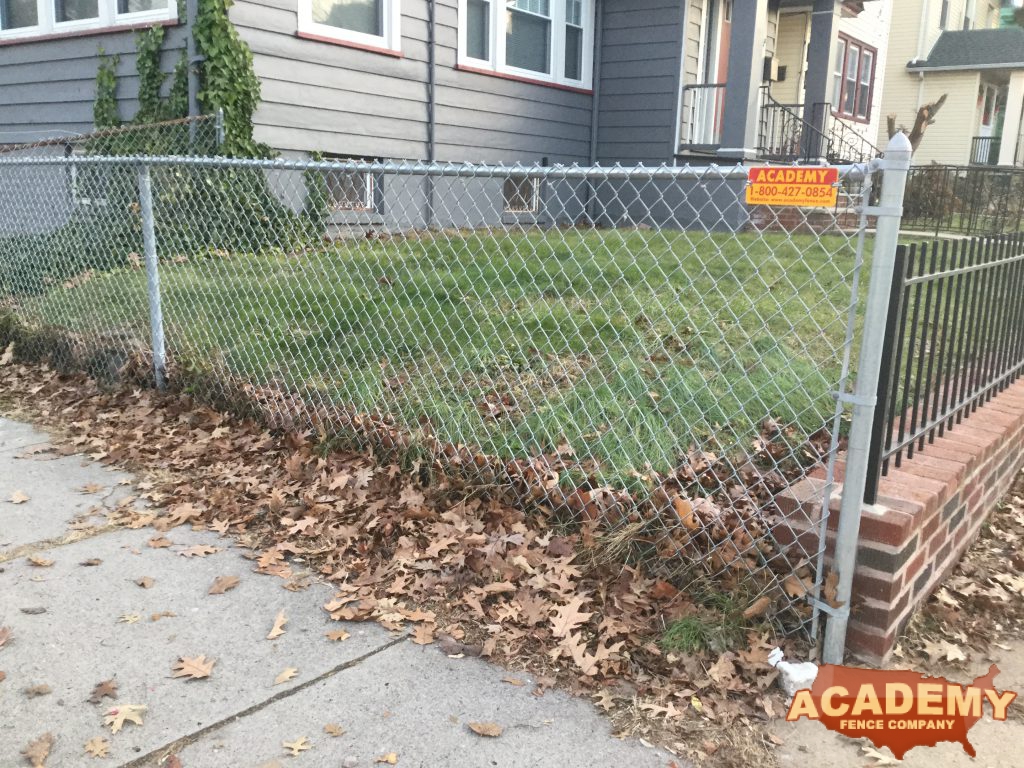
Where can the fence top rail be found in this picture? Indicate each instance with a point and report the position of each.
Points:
(854, 172)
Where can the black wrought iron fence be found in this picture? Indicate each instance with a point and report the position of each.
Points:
(971, 200)
(955, 338)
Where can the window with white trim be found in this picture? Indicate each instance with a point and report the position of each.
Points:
(29, 18)
(546, 40)
(521, 194)
(350, 190)
(370, 23)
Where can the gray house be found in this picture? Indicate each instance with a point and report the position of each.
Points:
(566, 81)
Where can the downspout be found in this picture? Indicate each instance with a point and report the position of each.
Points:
(595, 104)
(431, 109)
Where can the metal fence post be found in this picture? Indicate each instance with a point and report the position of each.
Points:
(889, 212)
(156, 318)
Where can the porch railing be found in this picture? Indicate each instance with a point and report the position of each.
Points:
(702, 115)
(985, 150)
(794, 133)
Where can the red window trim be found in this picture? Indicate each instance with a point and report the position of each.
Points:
(862, 47)
(350, 44)
(520, 79)
(89, 32)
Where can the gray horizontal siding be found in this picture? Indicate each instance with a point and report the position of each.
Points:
(48, 87)
(642, 45)
(343, 100)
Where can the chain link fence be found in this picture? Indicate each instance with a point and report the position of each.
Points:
(635, 350)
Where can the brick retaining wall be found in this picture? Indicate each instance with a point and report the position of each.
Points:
(929, 511)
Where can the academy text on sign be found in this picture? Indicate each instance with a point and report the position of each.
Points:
(899, 709)
(802, 187)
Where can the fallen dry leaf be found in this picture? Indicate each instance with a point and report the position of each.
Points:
(117, 717)
(758, 607)
(39, 561)
(91, 488)
(286, 675)
(38, 750)
(492, 730)
(5, 636)
(222, 584)
(128, 618)
(3, 675)
(160, 542)
(199, 550)
(333, 729)
(278, 628)
(97, 746)
(35, 691)
(18, 497)
(106, 689)
(298, 746)
(194, 668)
(568, 617)
(513, 681)
(338, 634)
(423, 634)
(92, 561)
(391, 758)
(145, 582)
(162, 615)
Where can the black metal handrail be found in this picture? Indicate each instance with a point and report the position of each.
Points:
(954, 339)
(788, 134)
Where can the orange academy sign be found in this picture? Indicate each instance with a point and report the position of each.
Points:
(805, 187)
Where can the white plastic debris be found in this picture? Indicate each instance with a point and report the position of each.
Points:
(793, 676)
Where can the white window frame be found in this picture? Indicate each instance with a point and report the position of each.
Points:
(389, 40)
(497, 27)
(107, 18)
(533, 202)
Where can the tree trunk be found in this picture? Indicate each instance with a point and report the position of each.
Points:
(925, 117)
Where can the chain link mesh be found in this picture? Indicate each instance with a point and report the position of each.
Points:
(632, 348)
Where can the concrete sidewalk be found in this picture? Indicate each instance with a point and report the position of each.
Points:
(77, 622)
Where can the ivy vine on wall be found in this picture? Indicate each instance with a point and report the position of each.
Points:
(104, 109)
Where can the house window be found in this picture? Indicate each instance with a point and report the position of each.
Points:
(369, 23)
(543, 40)
(350, 190)
(29, 18)
(521, 194)
(852, 79)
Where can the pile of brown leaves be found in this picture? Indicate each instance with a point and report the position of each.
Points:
(450, 563)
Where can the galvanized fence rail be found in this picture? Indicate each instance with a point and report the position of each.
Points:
(634, 349)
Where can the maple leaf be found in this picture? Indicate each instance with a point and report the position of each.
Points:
(391, 758)
(492, 730)
(194, 668)
(333, 729)
(35, 691)
(278, 628)
(338, 634)
(130, 713)
(199, 550)
(145, 582)
(105, 689)
(38, 750)
(222, 584)
(286, 675)
(298, 746)
(19, 498)
(97, 746)
(159, 542)
(39, 561)
(568, 617)
(423, 634)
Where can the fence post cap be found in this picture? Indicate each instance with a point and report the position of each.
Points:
(899, 149)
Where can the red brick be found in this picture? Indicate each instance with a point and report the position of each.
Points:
(881, 615)
(888, 526)
(877, 585)
(869, 644)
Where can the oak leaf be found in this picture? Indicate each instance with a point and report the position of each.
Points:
(194, 668)
(92, 561)
(298, 746)
(105, 689)
(492, 730)
(35, 691)
(159, 542)
(199, 550)
(338, 634)
(568, 617)
(91, 488)
(145, 582)
(333, 729)
(758, 607)
(128, 618)
(39, 561)
(278, 628)
(423, 634)
(513, 681)
(391, 758)
(38, 750)
(222, 584)
(97, 746)
(130, 713)
(286, 675)
(5, 636)
(18, 497)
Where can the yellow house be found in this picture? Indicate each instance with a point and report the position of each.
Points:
(956, 48)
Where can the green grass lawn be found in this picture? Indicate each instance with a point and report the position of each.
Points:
(628, 345)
